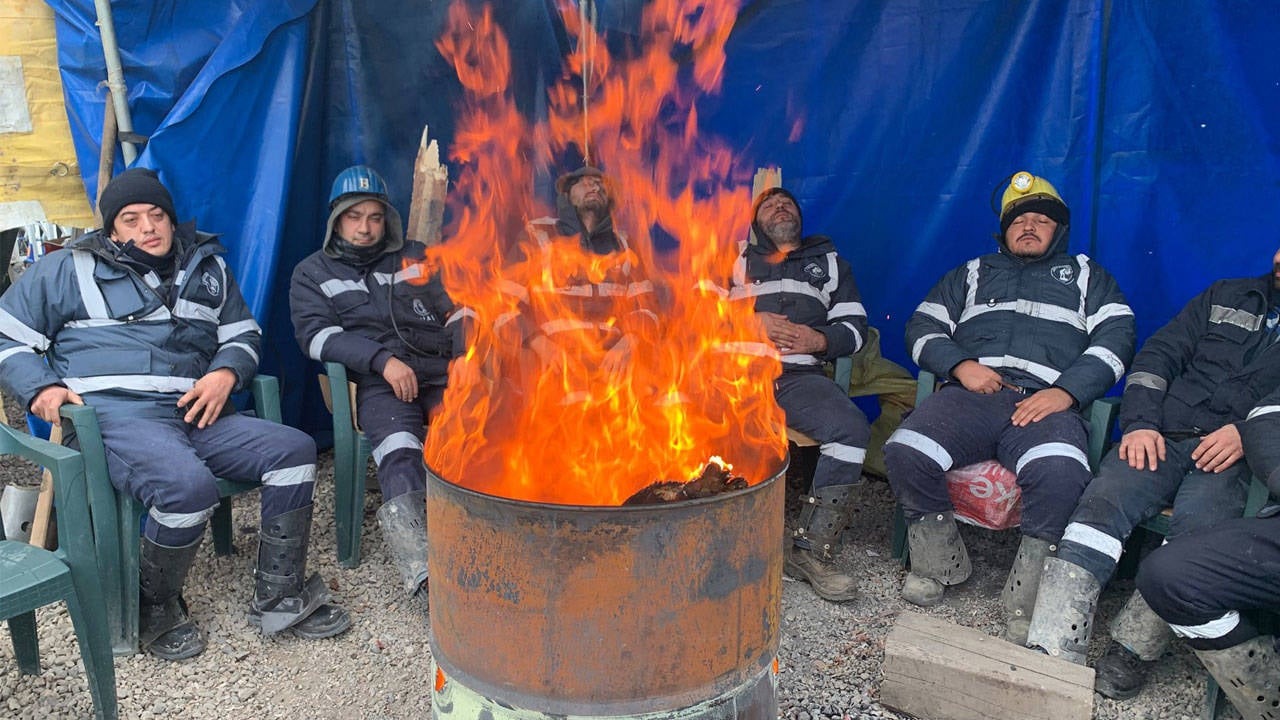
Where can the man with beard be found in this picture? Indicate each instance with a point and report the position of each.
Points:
(590, 292)
(366, 300)
(1024, 338)
(1206, 584)
(143, 320)
(1185, 401)
(806, 298)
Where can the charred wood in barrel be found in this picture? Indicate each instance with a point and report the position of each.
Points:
(713, 481)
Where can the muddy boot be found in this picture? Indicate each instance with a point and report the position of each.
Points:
(403, 520)
(1138, 638)
(164, 628)
(1019, 594)
(1249, 675)
(822, 519)
(938, 558)
(281, 600)
(1062, 620)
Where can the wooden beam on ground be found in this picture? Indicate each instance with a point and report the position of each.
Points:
(430, 183)
(943, 671)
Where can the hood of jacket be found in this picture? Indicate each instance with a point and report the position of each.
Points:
(392, 239)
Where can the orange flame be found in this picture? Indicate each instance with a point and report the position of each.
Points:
(573, 427)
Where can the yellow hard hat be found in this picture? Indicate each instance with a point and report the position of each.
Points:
(1028, 193)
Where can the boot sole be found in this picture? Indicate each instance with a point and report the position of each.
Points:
(302, 634)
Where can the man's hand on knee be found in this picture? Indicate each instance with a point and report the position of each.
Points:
(1141, 448)
(1218, 450)
(1041, 405)
(205, 400)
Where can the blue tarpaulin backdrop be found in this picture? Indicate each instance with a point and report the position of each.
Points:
(893, 120)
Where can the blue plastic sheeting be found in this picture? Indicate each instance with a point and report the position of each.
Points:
(895, 122)
(215, 86)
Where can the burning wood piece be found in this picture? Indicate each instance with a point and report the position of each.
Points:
(713, 481)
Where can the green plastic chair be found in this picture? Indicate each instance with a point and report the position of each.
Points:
(1101, 415)
(118, 558)
(35, 577)
(351, 452)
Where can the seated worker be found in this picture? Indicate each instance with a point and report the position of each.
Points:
(1024, 338)
(364, 301)
(1204, 584)
(144, 321)
(584, 214)
(1189, 389)
(805, 296)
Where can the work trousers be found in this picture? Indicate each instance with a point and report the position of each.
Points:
(171, 466)
(1201, 582)
(817, 407)
(953, 428)
(1121, 497)
(396, 430)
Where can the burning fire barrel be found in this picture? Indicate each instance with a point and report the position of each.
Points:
(653, 611)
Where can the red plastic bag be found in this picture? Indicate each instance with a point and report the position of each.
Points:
(986, 494)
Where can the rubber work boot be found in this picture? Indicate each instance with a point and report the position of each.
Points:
(281, 600)
(824, 516)
(938, 558)
(1019, 594)
(1249, 675)
(403, 520)
(1063, 617)
(164, 628)
(1138, 638)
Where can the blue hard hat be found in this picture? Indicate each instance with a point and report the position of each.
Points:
(358, 180)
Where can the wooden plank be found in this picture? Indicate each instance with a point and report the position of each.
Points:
(426, 202)
(939, 670)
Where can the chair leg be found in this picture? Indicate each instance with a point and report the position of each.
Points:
(1212, 699)
(222, 530)
(26, 645)
(95, 653)
(360, 469)
(343, 479)
(901, 552)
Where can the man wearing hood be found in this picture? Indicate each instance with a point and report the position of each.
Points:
(367, 300)
(1206, 584)
(584, 204)
(1024, 338)
(1185, 403)
(808, 302)
(144, 321)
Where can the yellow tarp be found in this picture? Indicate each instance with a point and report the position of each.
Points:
(40, 165)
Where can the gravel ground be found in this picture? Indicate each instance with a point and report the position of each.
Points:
(830, 655)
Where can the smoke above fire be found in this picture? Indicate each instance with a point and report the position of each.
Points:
(670, 372)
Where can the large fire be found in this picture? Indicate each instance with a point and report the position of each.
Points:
(573, 427)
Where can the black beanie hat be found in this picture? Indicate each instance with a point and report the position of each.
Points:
(1046, 205)
(569, 179)
(765, 195)
(135, 185)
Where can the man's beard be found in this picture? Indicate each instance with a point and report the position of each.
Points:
(784, 232)
(1275, 276)
(596, 204)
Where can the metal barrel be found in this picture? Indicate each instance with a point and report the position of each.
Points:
(655, 611)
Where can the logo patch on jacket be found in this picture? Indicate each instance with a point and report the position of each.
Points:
(815, 271)
(211, 284)
(421, 311)
(1065, 274)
